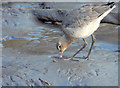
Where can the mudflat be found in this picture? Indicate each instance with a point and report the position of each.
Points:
(28, 53)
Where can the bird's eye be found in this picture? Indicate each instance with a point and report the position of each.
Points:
(59, 47)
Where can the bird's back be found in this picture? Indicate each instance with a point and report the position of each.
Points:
(80, 18)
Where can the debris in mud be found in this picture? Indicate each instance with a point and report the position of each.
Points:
(54, 60)
(44, 82)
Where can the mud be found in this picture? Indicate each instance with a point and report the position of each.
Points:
(28, 51)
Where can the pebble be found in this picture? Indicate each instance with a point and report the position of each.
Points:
(54, 60)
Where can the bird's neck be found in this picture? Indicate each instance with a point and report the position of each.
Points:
(70, 39)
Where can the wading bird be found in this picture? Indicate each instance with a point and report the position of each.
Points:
(81, 23)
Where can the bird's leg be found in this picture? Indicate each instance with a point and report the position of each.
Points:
(93, 41)
(85, 44)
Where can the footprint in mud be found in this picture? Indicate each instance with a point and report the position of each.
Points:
(69, 74)
(45, 70)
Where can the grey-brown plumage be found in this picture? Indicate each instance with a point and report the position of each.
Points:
(84, 15)
(84, 21)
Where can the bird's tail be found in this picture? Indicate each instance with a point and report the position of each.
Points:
(111, 4)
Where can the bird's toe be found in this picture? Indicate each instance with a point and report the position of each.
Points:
(86, 58)
(71, 59)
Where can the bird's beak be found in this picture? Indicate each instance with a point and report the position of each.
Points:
(60, 54)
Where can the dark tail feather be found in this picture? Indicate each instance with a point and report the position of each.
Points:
(111, 4)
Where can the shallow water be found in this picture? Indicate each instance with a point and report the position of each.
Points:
(51, 35)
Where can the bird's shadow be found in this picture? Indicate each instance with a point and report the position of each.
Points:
(66, 57)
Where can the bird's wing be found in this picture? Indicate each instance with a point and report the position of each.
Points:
(84, 15)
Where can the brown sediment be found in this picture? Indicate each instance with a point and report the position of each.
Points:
(14, 43)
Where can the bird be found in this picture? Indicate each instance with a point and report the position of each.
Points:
(82, 23)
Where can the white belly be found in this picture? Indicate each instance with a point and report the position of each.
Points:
(85, 31)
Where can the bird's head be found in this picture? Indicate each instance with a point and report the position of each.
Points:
(62, 44)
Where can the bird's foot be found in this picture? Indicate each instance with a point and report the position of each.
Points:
(71, 58)
(86, 58)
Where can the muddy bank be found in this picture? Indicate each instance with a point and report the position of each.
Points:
(28, 50)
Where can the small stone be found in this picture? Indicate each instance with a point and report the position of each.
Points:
(54, 60)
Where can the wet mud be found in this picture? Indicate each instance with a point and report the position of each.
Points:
(30, 57)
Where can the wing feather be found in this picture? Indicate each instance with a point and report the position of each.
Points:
(84, 15)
